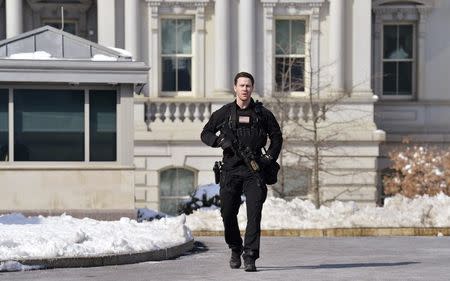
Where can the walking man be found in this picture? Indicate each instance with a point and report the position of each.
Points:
(244, 127)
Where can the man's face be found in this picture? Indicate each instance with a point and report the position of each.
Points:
(243, 88)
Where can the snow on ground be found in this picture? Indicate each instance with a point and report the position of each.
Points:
(210, 190)
(277, 213)
(64, 236)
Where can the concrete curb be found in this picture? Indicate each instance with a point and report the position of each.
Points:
(345, 232)
(156, 255)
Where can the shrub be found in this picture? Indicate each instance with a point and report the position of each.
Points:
(203, 197)
(418, 170)
(195, 203)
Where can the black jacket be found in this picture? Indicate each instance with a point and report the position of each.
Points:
(254, 134)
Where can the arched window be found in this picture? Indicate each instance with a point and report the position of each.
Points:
(175, 185)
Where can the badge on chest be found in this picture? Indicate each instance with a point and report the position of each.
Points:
(243, 119)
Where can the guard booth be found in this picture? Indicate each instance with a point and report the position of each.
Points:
(66, 125)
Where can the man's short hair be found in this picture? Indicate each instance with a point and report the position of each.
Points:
(245, 75)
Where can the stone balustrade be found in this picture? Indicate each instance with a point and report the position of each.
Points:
(164, 113)
(174, 111)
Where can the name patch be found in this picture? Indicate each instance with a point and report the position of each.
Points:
(244, 119)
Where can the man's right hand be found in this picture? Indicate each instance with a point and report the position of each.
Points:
(224, 142)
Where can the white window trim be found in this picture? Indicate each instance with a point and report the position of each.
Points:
(191, 55)
(416, 12)
(166, 8)
(293, 9)
(306, 56)
(413, 60)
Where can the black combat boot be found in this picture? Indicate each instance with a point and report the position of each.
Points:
(249, 264)
(235, 260)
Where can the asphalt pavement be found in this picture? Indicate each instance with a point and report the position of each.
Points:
(283, 258)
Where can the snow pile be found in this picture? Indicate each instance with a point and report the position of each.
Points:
(65, 236)
(39, 55)
(398, 211)
(209, 190)
(100, 57)
(17, 266)
(146, 214)
(123, 52)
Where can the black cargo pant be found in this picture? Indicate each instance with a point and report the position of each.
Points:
(233, 183)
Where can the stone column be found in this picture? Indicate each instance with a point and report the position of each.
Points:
(132, 28)
(153, 47)
(247, 37)
(222, 50)
(106, 28)
(421, 73)
(361, 46)
(378, 54)
(200, 49)
(268, 48)
(337, 50)
(315, 49)
(14, 18)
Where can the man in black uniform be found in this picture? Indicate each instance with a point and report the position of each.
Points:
(250, 124)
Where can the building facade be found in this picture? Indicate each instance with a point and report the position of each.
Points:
(379, 66)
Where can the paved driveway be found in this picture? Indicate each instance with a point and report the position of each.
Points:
(284, 258)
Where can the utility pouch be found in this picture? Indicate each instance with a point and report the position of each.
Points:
(270, 172)
(217, 169)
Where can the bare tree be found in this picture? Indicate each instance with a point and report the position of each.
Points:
(308, 132)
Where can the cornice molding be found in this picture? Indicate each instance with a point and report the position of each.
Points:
(405, 11)
(179, 3)
(394, 3)
(38, 5)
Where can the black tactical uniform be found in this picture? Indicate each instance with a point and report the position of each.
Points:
(252, 130)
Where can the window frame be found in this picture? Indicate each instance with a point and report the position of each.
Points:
(85, 90)
(191, 56)
(8, 121)
(306, 56)
(392, 11)
(413, 60)
(195, 183)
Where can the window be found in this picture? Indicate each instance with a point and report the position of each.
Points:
(102, 125)
(289, 55)
(398, 60)
(4, 125)
(175, 186)
(48, 125)
(176, 55)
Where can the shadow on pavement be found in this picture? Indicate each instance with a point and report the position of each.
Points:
(199, 247)
(334, 266)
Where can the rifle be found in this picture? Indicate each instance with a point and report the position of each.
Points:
(245, 153)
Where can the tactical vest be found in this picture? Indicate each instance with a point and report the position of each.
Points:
(253, 133)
